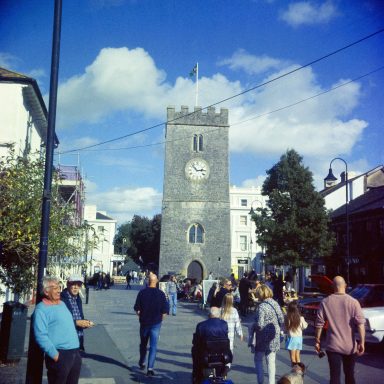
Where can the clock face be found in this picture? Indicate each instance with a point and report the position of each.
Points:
(197, 169)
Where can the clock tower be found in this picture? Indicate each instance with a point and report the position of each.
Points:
(195, 226)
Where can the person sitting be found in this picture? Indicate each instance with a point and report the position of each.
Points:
(208, 332)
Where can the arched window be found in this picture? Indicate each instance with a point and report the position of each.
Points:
(197, 143)
(196, 234)
(200, 143)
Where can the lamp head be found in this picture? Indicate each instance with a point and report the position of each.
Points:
(251, 212)
(330, 180)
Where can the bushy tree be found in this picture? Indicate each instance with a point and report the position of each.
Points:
(140, 239)
(21, 188)
(293, 229)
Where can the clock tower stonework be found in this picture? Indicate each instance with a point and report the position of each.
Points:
(195, 227)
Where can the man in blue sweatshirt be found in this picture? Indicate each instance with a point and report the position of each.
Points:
(151, 306)
(56, 335)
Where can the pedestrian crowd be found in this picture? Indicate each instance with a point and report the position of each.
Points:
(59, 324)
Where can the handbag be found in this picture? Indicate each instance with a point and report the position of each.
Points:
(277, 318)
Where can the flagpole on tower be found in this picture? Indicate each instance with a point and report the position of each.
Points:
(197, 85)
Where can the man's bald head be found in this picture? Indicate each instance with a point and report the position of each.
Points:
(152, 279)
(339, 284)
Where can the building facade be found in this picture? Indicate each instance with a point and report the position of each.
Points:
(100, 258)
(195, 228)
(23, 118)
(246, 254)
(365, 222)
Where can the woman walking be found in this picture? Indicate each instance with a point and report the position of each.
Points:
(231, 316)
(266, 328)
(294, 325)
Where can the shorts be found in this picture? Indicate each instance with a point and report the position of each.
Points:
(294, 343)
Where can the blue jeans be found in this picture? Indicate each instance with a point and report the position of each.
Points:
(335, 359)
(173, 302)
(271, 366)
(151, 333)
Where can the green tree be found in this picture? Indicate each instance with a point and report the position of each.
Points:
(293, 228)
(21, 188)
(140, 239)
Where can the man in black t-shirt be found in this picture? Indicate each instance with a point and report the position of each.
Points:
(151, 306)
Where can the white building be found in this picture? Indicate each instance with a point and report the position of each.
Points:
(335, 194)
(246, 254)
(101, 258)
(23, 117)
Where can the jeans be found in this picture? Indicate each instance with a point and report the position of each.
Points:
(334, 360)
(271, 366)
(66, 370)
(151, 333)
(173, 302)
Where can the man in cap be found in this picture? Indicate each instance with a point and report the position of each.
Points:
(70, 296)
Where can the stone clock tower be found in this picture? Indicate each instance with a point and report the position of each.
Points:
(195, 228)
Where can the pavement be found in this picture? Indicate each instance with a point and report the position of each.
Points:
(112, 348)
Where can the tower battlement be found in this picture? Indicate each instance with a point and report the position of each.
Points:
(197, 116)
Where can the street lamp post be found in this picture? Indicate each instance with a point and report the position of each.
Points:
(328, 182)
(252, 213)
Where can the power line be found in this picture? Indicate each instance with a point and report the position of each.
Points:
(236, 95)
(241, 121)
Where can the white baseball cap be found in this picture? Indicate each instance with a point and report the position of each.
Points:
(75, 279)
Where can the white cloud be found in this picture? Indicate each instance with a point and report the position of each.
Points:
(309, 13)
(122, 203)
(255, 182)
(242, 60)
(314, 128)
(8, 60)
(128, 80)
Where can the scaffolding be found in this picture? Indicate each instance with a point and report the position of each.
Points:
(71, 189)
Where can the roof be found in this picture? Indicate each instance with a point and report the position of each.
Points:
(7, 76)
(100, 216)
(371, 200)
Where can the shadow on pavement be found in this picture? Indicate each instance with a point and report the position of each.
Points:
(105, 359)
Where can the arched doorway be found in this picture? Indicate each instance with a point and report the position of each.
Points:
(195, 271)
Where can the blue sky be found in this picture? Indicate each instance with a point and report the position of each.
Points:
(123, 62)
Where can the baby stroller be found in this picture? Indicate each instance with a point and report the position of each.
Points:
(212, 362)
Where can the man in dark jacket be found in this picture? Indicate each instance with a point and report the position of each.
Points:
(151, 306)
(71, 298)
(209, 330)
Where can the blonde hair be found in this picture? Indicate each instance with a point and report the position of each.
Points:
(227, 306)
(263, 292)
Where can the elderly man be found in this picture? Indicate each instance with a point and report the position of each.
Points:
(70, 296)
(56, 335)
(344, 315)
(151, 306)
(209, 330)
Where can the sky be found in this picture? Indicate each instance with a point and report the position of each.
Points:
(306, 75)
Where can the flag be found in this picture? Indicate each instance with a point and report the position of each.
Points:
(193, 72)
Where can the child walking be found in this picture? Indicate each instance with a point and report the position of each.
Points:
(294, 325)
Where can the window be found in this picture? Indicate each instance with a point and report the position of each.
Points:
(243, 220)
(200, 143)
(197, 143)
(196, 234)
(243, 243)
(243, 202)
(100, 228)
